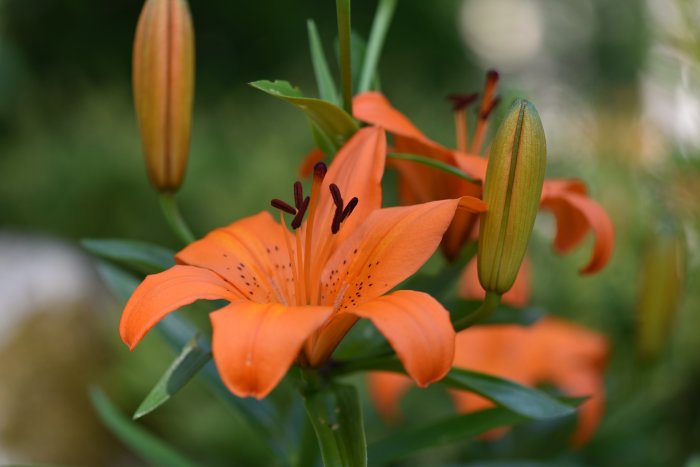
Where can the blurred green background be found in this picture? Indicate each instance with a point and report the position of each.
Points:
(617, 86)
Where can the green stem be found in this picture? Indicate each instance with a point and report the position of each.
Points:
(171, 211)
(380, 26)
(343, 13)
(491, 302)
(432, 163)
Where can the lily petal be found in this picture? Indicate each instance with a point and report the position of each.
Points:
(161, 293)
(576, 214)
(357, 170)
(386, 390)
(391, 244)
(255, 344)
(418, 328)
(375, 109)
(250, 254)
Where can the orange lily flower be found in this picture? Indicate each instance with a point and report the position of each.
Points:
(294, 295)
(550, 351)
(575, 213)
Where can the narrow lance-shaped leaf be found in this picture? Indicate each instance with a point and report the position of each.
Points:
(336, 416)
(380, 26)
(523, 400)
(324, 79)
(144, 444)
(191, 359)
(330, 119)
(453, 429)
(141, 256)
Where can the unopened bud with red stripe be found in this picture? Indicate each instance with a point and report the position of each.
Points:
(512, 190)
(163, 81)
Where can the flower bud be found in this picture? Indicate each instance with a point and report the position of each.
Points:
(660, 290)
(163, 80)
(512, 189)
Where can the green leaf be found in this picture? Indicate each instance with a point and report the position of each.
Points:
(120, 282)
(141, 256)
(151, 449)
(342, 8)
(380, 26)
(449, 430)
(336, 124)
(324, 79)
(436, 164)
(503, 314)
(528, 402)
(336, 416)
(191, 359)
(358, 46)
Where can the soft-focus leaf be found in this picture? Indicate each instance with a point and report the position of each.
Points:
(324, 79)
(141, 256)
(458, 428)
(120, 282)
(358, 46)
(380, 26)
(504, 314)
(191, 359)
(523, 400)
(330, 119)
(151, 449)
(528, 402)
(336, 416)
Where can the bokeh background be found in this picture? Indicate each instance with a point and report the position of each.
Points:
(617, 85)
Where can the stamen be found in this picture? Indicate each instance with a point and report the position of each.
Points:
(335, 193)
(487, 105)
(320, 170)
(282, 206)
(349, 208)
(494, 103)
(462, 101)
(298, 219)
(298, 194)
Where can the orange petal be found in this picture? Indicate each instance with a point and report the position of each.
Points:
(390, 245)
(518, 296)
(576, 214)
(159, 294)
(357, 170)
(386, 390)
(375, 109)
(306, 169)
(419, 330)
(251, 254)
(255, 344)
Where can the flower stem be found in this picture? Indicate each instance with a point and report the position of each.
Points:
(491, 302)
(177, 224)
(343, 13)
(380, 26)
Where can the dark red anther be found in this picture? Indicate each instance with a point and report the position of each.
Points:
(298, 194)
(335, 193)
(282, 206)
(485, 114)
(298, 219)
(348, 209)
(491, 78)
(462, 101)
(320, 169)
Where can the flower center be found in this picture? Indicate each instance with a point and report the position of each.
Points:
(307, 267)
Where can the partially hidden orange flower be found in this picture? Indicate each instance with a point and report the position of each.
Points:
(294, 295)
(551, 351)
(576, 214)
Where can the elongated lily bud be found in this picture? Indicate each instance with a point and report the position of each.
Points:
(163, 79)
(512, 191)
(660, 290)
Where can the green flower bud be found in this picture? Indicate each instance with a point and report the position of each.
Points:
(512, 192)
(163, 80)
(660, 290)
